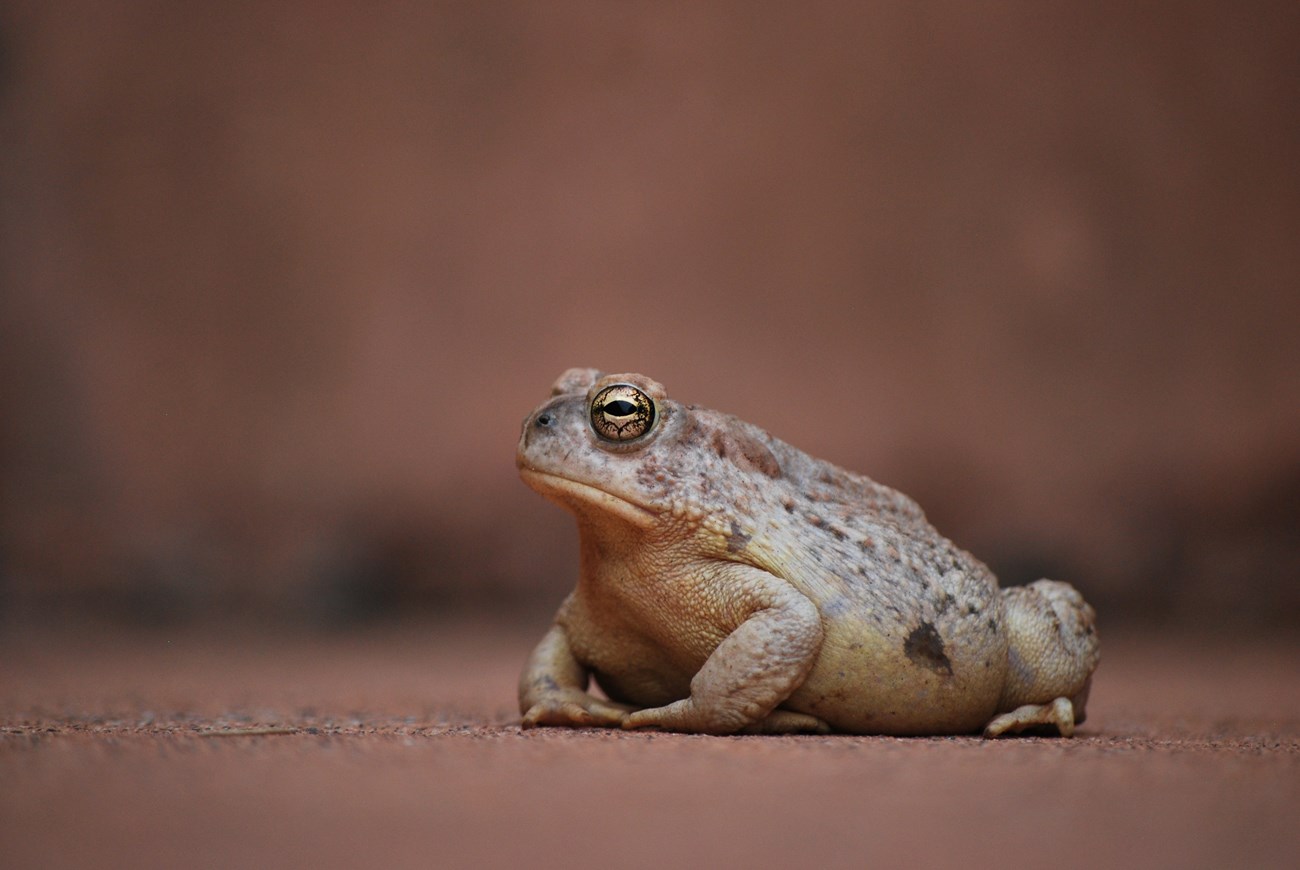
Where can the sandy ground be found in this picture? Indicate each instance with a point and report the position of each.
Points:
(398, 747)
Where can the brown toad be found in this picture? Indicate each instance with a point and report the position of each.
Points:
(731, 583)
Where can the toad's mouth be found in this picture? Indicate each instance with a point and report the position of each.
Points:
(582, 498)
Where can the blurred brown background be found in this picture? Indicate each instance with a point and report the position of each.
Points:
(280, 280)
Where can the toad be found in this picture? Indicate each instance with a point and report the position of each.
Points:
(730, 583)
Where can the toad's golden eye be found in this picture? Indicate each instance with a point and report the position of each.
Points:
(621, 412)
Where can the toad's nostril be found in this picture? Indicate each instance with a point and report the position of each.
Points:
(545, 420)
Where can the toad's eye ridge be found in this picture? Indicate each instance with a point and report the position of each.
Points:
(621, 412)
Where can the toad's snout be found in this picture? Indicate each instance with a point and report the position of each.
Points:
(537, 425)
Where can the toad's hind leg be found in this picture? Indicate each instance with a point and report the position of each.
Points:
(1052, 653)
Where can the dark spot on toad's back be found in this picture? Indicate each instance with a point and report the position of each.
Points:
(719, 445)
(737, 540)
(691, 434)
(924, 647)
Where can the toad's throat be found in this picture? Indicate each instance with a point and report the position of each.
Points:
(578, 496)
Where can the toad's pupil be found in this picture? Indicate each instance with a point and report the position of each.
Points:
(620, 408)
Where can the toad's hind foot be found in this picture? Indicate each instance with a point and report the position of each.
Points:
(1058, 714)
(788, 722)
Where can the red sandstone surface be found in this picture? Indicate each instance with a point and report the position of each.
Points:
(397, 746)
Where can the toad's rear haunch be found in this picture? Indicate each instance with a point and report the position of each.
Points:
(731, 583)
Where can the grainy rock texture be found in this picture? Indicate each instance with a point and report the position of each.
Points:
(399, 747)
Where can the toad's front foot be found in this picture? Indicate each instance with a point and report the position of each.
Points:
(1059, 713)
(575, 709)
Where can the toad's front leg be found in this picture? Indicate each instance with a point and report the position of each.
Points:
(754, 669)
(553, 689)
